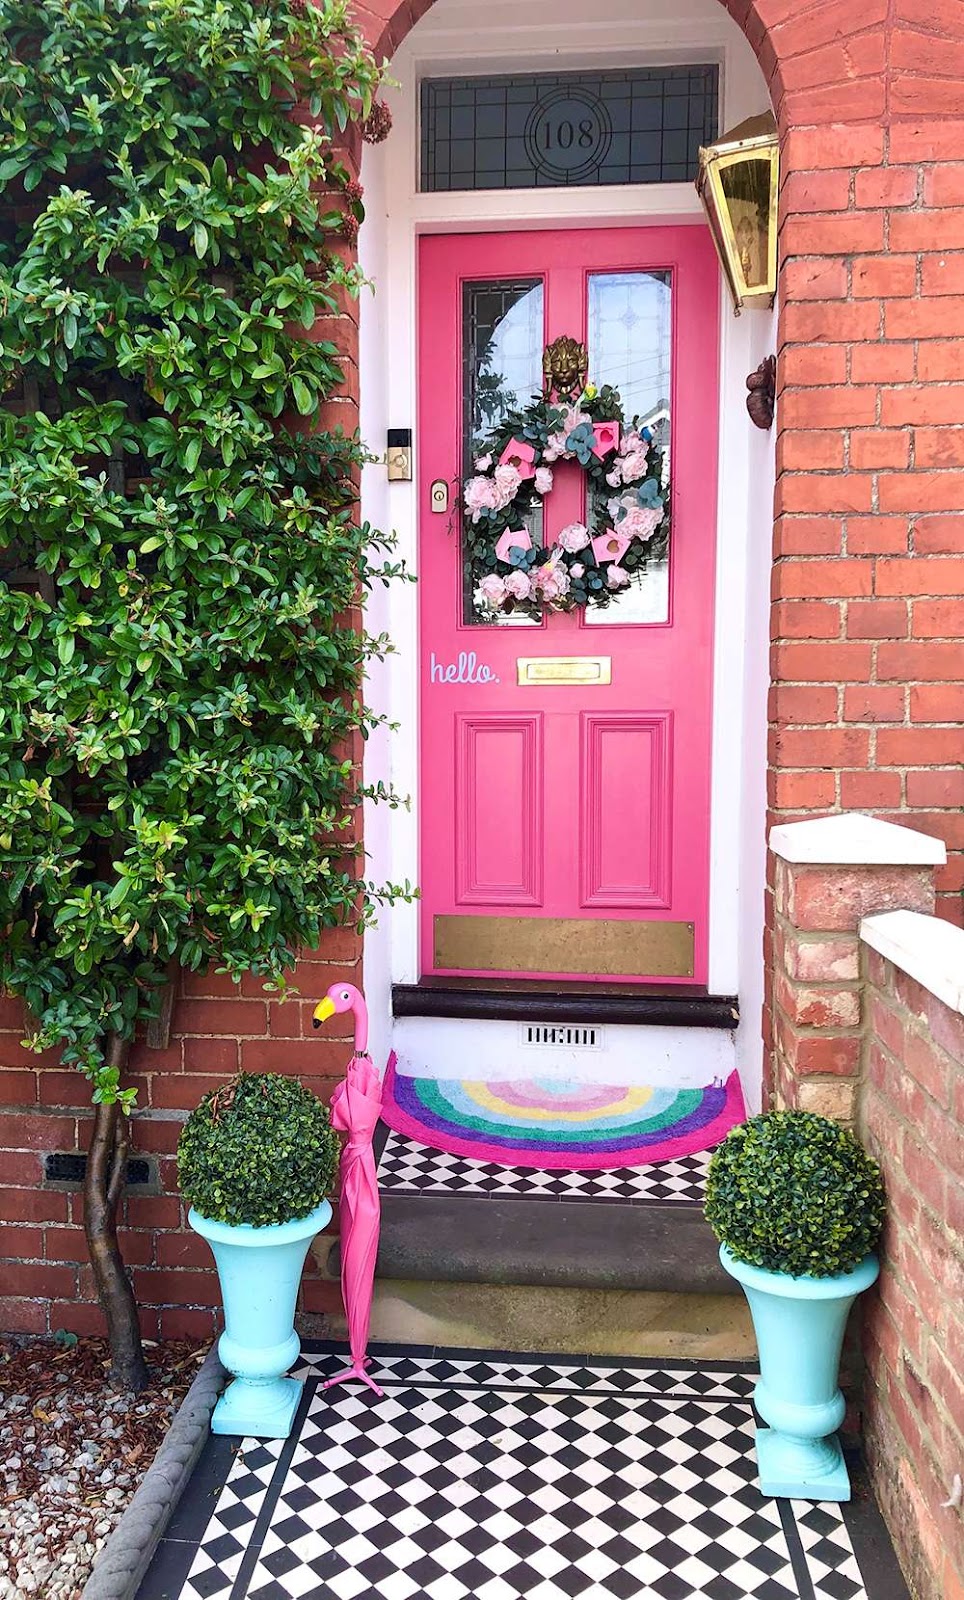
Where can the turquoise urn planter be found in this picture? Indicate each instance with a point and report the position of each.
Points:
(799, 1325)
(260, 1271)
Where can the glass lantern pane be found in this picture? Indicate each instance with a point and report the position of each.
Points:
(630, 343)
(503, 338)
(746, 189)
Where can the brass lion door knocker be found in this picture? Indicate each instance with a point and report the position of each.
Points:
(565, 363)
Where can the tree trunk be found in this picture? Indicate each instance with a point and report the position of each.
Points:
(103, 1187)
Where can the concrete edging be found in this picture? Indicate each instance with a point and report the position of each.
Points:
(127, 1554)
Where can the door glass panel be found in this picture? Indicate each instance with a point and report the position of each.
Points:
(502, 343)
(629, 346)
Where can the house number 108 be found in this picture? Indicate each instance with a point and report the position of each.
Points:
(568, 133)
(564, 135)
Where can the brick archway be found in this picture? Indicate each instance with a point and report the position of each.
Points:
(868, 573)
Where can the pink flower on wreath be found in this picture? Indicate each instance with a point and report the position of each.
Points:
(617, 577)
(574, 538)
(517, 584)
(632, 440)
(607, 438)
(543, 480)
(614, 478)
(551, 580)
(555, 447)
(640, 522)
(634, 466)
(611, 546)
(483, 463)
(574, 419)
(577, 570)
(508, 481)
(481, 494)
(492, 589)
(512, 539)
(520, 455)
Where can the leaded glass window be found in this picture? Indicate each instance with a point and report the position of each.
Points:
(630, 345)
(551, 130)
(503, 337)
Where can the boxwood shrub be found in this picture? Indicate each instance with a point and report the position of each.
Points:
(792, 1192)
(260, 1150)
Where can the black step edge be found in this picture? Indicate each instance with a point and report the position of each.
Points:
(663, 1248)
(553, 1005)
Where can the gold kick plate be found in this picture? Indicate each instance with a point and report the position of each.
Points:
(605, 947)
(565, 669)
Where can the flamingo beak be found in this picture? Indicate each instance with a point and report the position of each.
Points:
(323, 1010)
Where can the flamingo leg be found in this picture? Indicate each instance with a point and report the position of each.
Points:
(354, 1372)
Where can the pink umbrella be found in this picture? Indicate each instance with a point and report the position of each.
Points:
(355, 1108)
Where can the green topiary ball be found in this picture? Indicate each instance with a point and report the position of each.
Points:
(260, 1150)
(792, 1192)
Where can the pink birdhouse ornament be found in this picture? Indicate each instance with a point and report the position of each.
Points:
(607, 438)
(520, 455)
(512, 539)
(610, 546)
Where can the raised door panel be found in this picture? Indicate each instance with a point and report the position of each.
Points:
(626, 809)
(498, 809)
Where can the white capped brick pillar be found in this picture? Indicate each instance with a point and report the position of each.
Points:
(830, 872)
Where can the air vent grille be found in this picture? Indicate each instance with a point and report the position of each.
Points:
(70, 1166)
(561, 1036)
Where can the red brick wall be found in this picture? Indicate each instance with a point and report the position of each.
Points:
(856, 1038)
(912, 1119)
(818, 1017)
(868, 578)
(44, 1282)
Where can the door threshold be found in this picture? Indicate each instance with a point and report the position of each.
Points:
(538, 1000)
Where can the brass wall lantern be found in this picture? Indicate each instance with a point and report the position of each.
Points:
(738, 183)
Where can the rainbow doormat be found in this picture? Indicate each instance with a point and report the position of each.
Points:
(561, 1123)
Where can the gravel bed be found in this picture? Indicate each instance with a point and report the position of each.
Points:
(72, 1452)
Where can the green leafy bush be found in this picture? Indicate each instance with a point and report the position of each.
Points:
(260, 1150)
(181, 564)
(179, 555)
(792, 1192)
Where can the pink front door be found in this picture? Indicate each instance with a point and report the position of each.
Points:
(565, 824)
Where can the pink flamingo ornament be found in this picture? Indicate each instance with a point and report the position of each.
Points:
(355, 1108)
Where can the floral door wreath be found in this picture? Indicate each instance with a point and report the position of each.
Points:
(627, 499)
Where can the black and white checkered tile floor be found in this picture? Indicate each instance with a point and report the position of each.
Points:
(497, 1477)
(407, 1167)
